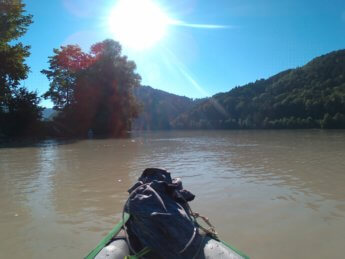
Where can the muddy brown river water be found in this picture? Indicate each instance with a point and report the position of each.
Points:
(271, 194)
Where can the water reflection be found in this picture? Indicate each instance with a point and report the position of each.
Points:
(263, 189)
(308, 161)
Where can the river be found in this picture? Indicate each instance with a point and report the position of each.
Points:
(271, 194)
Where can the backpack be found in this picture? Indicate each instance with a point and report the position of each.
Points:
(160, 217)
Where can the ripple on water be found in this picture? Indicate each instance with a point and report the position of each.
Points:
(260, 189)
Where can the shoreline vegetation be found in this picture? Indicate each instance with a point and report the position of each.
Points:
(99, 93)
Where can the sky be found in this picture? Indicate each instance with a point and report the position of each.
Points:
(206, 46)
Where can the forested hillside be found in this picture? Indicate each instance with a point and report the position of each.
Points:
(312, 96)
(159, 108)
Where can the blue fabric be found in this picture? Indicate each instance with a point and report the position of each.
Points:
(159, 216)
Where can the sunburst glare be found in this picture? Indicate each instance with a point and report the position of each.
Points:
(138, 24)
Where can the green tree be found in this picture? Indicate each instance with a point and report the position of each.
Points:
(312, 96)
(19, 110)
(13, 24)
(23, 113)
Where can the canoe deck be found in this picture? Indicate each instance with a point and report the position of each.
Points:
(210, 248)
(114, 246)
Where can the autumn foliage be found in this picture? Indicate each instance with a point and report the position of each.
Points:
(92, 91)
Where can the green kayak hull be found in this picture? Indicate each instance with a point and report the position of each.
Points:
(105, 241)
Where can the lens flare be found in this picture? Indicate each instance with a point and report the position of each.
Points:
(138, 24)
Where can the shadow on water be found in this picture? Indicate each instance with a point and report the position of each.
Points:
(27, 142)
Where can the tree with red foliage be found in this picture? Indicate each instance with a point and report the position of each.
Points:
(62, 72)
(93, 90)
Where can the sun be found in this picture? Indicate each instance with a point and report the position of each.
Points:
(138, 24)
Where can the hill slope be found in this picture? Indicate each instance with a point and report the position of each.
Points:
(312, 96)
(159, 108)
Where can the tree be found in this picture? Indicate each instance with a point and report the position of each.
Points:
(63, 69)
(312, 96)
(93, 90)
(111, 78)
(19, 110)
(23, 113)
(13, 24)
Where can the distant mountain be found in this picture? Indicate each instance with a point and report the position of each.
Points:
(159, 108)
(312, 96)
(48, 114)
